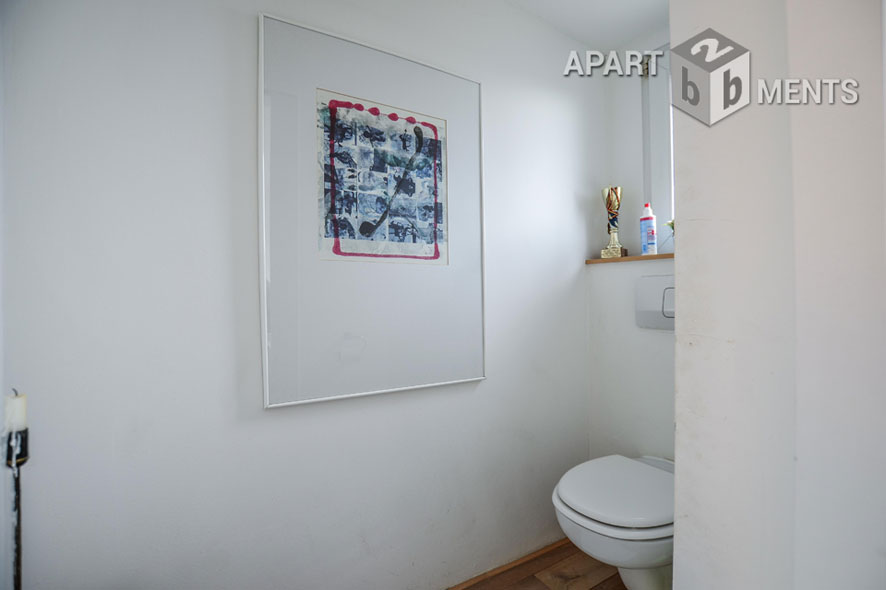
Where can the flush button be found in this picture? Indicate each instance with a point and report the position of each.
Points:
(654, 298)
(667, 302)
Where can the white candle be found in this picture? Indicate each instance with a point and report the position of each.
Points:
(16, 412)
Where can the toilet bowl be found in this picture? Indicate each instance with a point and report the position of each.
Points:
(621, 511)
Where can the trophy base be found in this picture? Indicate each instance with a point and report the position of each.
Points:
(617, 252)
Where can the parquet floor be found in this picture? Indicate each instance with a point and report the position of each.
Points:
(561, 566)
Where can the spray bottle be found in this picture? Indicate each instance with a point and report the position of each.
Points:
(648, 235)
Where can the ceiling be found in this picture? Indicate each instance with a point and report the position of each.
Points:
(601, 24)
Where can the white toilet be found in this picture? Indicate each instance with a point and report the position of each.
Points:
(621, 511)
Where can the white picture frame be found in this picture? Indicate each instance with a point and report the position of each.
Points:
(340, 328)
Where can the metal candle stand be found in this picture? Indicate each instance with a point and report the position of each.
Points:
(16, 456)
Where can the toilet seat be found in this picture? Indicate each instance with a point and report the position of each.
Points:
(615, 532)
(619, 497)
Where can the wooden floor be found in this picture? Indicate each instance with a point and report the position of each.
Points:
(560, 566)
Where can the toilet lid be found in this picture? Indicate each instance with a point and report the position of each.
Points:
(621, 492)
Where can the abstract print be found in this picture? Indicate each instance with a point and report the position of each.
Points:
(383, 187)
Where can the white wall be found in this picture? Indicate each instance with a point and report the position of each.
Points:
(631, 369)
(780, 413)
(735, 323)
(131, 303)
(6, 533)
(838, 162)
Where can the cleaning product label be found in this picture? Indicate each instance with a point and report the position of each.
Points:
(648, 238)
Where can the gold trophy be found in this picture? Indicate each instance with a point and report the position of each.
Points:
(612, 199)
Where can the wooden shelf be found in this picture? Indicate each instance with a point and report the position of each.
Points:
(629, 258)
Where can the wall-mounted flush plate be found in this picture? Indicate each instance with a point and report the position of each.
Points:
(654, 302)
(667, 302)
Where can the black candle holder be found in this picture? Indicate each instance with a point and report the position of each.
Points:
(16, 456)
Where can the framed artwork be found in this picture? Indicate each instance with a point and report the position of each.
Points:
(371, 231)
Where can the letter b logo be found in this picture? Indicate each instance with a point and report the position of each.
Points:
(713, 76)
(690, 89)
